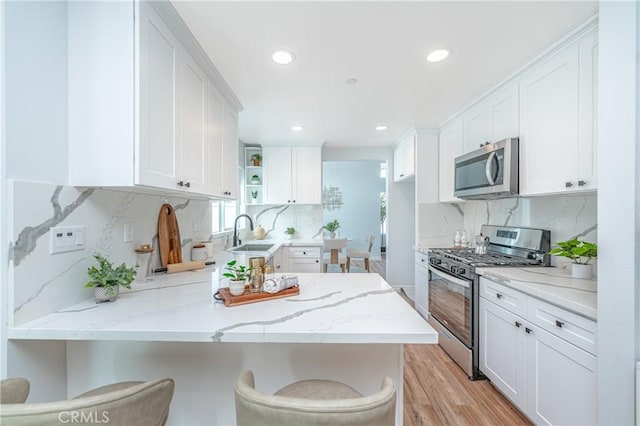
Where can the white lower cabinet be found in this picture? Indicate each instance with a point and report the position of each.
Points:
(550, 379)
(421, 294)
(304, 259)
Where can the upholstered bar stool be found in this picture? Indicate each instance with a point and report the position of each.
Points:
(313, 402)
(126, 403)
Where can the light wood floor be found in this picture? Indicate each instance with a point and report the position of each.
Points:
(438, 392)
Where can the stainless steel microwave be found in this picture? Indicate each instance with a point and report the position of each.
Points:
(489, 172)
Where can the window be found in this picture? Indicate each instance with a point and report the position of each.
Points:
(223, 213)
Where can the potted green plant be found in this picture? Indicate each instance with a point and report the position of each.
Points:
(254, 196)
(580, 253)
(106, 280)
(332, 227)
(237, 275)
(255, 180)
(290, 231)
(256, 159)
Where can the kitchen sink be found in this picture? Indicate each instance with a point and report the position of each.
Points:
(252, 247)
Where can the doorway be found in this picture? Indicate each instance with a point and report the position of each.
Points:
(354, 194)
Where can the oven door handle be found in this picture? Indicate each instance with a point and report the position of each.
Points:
(458, 281)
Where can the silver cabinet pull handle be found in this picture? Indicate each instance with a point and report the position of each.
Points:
(518, 324)
(528, 330)
(559, 323)
(498, 295)
(568, 184)
(581, 183)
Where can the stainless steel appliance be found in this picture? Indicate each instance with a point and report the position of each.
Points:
(489, 172)
(453, 291)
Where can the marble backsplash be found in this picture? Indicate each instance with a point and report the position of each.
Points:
(437, 224)
(40, 283)
(306, 219)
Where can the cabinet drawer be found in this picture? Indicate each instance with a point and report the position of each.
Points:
(569, 326)
(305, 252)
(510, 299)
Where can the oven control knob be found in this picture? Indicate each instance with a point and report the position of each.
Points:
(455, 269)
(461, 271)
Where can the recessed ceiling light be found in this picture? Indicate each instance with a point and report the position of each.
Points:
(437, 55)
(382, 127)
(297, 128)
(283, 56)
(351, 81)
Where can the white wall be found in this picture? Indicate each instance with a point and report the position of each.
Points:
(361, 185)
(400, 212)
(36, 90)
(3, 206)
(618, 211)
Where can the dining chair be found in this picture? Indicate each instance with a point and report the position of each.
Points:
(125, 403)
(334, 256)
(313, 402)
(361, 254)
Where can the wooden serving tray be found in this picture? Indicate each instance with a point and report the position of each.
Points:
(247, 297)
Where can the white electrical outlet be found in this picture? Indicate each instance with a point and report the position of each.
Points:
(128, 232)
(66, 238)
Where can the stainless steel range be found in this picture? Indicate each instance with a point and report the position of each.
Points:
(454, 286)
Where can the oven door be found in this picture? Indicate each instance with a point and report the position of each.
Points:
(450, 302)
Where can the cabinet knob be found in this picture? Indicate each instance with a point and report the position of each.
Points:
(559, 323)
(481, 145)
(518, 324)
(568, 184)
(294, 201)
(498, 295)
(288, 201)
(188, 184)
(581, 183)
(528, 330)
(317, 261)
(401, 174)
(180, 183)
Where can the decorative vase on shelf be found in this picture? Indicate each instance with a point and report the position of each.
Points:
(255, 180)
(259, 233)
(582, 270)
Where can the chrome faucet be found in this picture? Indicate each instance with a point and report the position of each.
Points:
(236, 240)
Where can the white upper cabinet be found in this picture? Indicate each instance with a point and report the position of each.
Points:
(404, 158)
(450, 148)
(292, 175)
(493, 119)
(154, 117)
(557, 108)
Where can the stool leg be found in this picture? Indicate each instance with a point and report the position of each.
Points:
(348, 264)
(366, 264)
(342, 267)
(325, 268)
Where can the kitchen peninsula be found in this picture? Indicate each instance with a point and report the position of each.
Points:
(346, 327)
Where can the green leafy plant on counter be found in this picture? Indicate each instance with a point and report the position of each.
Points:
(236, 272)
(290, 230)
(332, 226)
(108, 277)
(580, 252)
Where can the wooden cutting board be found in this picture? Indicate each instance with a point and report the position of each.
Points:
(169, 236)
(247, 297)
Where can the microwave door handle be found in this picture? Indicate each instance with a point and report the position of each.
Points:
(448, 277)
(487, 168)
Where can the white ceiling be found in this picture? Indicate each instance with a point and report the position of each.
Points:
(383, 44)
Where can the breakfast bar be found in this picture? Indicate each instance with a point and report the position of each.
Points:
(345, 327)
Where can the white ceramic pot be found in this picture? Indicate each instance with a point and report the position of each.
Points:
(236, 288)
(582, 271)
(332, 235)
(106, 294)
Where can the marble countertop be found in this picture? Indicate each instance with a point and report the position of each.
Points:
(331, 308)
(553, 285)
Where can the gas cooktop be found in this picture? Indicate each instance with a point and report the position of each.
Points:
(470, 257)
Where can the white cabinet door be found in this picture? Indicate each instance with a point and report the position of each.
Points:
(557, 121)
(215, 109)
(306, 172)
(194, 142)
(561, 382)
(230, 147)
(450, 148)
(476, 127)
(503, 113)
(276, 172)
(159, 147)
(502, 350)
(404, 158)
